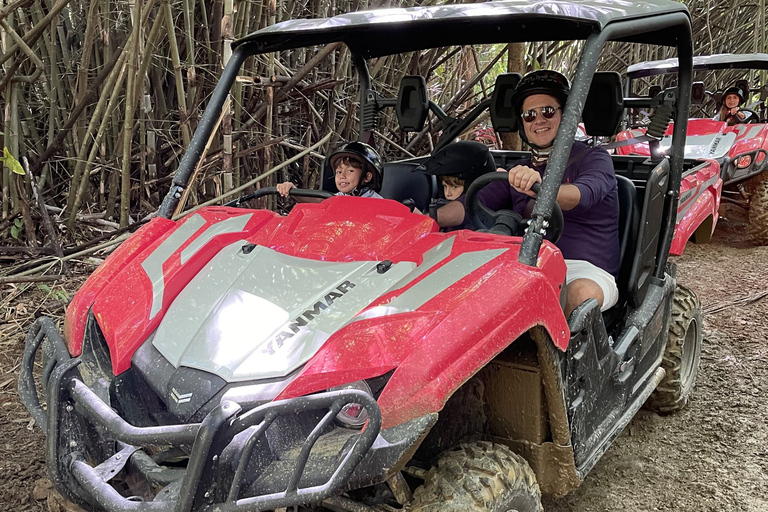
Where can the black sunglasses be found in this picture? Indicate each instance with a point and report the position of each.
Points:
(548, 112)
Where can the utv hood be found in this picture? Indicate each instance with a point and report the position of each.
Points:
(706, 139)
(253, 313)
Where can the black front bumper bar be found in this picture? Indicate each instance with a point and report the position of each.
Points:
(88, 444)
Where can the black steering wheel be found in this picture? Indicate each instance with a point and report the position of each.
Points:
(266, 191)
(506, 222)
(752, 119)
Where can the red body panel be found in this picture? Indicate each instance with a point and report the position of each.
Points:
(438, 347)
(749, 137)
(699, 199)
(121, 301)
(77, 311)
(121, 294)
(434, 348)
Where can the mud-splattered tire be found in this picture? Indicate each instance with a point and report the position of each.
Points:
(682, 355)
(477, 477)
(758, 210)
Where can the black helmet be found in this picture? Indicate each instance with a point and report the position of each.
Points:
(361, 151)
(465, 159)
(734, 90)
(543, 81)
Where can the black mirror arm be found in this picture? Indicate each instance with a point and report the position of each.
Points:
(455, 127)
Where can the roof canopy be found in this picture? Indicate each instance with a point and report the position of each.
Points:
(701, 63)
(380, 32)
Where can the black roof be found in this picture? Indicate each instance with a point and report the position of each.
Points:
(380, 32)
(701, 63)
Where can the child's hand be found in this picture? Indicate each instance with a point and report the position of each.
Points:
(284, 189)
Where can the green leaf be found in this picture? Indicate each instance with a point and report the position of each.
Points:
(44, 287)
(15, 230)
(18, 223)
(13, 164)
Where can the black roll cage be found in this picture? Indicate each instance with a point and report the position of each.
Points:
(670, 26)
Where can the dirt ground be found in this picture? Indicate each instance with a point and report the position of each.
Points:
(713, 456)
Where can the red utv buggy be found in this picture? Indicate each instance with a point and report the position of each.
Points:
(349, 355)
(740, 150)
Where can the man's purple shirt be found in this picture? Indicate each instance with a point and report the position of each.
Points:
(591, 230)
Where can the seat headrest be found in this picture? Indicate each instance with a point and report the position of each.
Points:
(503, 115)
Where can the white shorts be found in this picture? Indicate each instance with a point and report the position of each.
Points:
(580, 269)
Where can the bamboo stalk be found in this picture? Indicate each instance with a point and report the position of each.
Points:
(115, 86)
(176, 61)
(130, 98)
(254, 181)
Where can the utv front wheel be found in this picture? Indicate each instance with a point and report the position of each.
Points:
(758, 210)
(682, 355)
(477, 477)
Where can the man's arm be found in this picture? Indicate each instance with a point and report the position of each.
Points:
(568, 197)
(522, 178)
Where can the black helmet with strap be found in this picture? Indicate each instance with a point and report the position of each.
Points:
(543, 81)
(361, 151)
(734, 90)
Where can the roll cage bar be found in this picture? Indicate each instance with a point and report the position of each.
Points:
(372, 33)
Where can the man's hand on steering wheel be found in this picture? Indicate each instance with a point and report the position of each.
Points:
(522, 178)
(506, 221)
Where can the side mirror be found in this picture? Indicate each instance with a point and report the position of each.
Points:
(604, 106)
(412, 104)
(698, 93)
(503, 115)
(653, 91)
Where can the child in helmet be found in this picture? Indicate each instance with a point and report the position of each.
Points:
(357, 172)
(729, 111)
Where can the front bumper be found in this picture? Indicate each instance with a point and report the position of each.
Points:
(233, 460)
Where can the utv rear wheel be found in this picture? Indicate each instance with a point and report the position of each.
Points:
(758, 210)
(476, 477)
(682, 355)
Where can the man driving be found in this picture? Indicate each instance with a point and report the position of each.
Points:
(588, 194)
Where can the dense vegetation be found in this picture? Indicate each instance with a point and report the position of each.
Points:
(100, 98)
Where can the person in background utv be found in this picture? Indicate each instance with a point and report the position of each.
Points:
(357, 171)
(453, 187)
(730, 110)
(588, 195)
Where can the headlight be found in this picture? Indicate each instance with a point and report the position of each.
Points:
(353, 415)
(744, 162)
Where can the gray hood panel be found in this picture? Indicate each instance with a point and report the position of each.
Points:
(264, 314)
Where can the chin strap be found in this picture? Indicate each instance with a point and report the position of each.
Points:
(359, 191)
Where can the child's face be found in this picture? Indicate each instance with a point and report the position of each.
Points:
(349, 174)
(731, 100)
(452, 191)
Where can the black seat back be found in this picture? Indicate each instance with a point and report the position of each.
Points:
(327, 177)
(401, 182)
(649, 233)
(629, 219)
